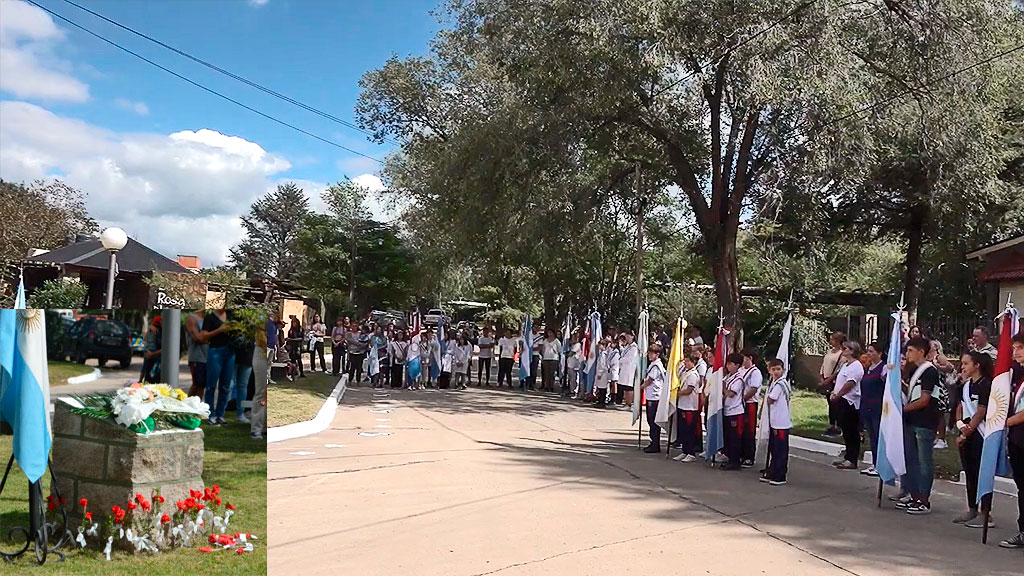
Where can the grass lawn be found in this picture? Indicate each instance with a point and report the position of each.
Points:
(233, 461)
(60, 371)
(290, 402)
(810, 419)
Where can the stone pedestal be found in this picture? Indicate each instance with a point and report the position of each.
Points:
(108, 464)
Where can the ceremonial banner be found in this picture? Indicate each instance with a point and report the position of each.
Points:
(642, 333)
(526, 354)
(993, 453)
(764, 427)
(669, 392)
(716, 432)
(595, 338)
(891, 461)
(438, 352)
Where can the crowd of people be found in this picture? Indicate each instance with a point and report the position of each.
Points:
(941, 395)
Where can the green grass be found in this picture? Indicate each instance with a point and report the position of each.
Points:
(810, 419)
(233, 461)
(60, 371)
(290, 402)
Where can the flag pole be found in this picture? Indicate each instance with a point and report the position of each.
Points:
(901, 307)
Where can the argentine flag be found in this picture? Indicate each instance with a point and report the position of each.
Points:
(716, 432)
(442, 347)
(25, 385)
(595, 339)
(993, 452)
(642, 332)
(891, 461)
(527, 351)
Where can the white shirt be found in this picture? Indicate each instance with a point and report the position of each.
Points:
(628, 357)
(656, 372)
(461, 356)
(414, 347)
(752, 379)
(733, 406)
(601, 371)
(702, 371)
(778, 412)
(572, 361)
(613, 364)
(688, 379)
(506, 347)
(852, 371)
(485, 352)
(551, 349)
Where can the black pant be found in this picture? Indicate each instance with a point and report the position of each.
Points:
(481, 363)
(778, 455)
(733, 429)
(531, 380)
(833, 415)
(620, 393)
(548, 370)
(355, 367)
(849, 423)
(970, 457)
(397, 375)
(748, 437)
(1016, 452)
(295, 354)
(602, 396)
(318, 348)
(505, 370)
(444, 380)
(337, 359)
(655, 430)
(686, 430)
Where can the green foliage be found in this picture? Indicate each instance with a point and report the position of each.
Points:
(59, 293)
(45, 214)
(271, 228)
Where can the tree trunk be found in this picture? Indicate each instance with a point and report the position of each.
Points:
(915, 237)
(550, 314)
(721, 256)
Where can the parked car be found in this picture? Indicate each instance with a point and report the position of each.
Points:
(138, 343)
(389, 318)
(435, 316)
(101, 339)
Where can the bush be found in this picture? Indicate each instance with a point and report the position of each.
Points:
(59, 293)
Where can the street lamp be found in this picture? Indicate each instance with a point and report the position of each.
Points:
(113, 239)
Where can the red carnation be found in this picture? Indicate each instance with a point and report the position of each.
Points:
(159, 498)
(132, 506)
(206, 549)
(83, 503)
(180, 505)
(145, 506)
(216, 489)
(50, 506)
(230, 507)
(212, 539)
(217, 500)
(139, 498)
(165, 519)
(240, 551)
(88, 516)
(200, 506)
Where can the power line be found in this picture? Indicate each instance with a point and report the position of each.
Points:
(200, 86)
(228, 73)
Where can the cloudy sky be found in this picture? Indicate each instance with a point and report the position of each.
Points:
(171, 164)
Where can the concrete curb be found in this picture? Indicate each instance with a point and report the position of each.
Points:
(94, 375)
(318, 424)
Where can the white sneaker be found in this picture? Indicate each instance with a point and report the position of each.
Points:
(689, 458)
(243, 419)
(940, 444)
(869, 471)
(679, 458)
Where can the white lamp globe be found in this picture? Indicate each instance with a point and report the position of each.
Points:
(113, 239)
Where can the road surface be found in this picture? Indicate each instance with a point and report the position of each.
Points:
(484, 481)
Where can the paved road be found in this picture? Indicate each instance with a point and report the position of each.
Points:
(483, 482)
(113, 378)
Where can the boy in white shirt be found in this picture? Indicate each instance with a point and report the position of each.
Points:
(752, 380)
(779, 423)
(601, 373)
(732, 388)
(506, 357)
(687, 409)
(614, 362)
(572, 368)
(653, 382)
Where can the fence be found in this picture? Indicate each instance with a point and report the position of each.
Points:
(955, 332)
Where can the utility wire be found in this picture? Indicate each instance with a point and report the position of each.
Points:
(228, 73)
(200, 86)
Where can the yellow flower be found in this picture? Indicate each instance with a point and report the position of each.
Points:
(161, 389)
(179, 394)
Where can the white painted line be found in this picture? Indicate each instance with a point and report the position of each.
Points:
(94, 375)
(374, 434)
(380, 411)
(303, 453)
(334, 445)
(318, 424)
(383, 419)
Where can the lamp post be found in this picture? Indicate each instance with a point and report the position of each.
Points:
(113, 239)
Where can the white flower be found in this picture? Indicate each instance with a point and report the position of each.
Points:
(110, 540)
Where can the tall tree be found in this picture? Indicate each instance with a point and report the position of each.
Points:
(46, 215)
(271, 227)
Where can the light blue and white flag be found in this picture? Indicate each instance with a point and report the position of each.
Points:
(642, 333)
(526, 354)
(372, 360)
(8, 336)
(1000, 398)
(891, 462)
(715, 422)
(595, 340)
(25, 398)
(439, 351)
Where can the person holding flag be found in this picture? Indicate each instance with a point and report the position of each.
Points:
(667, 400)
(766, 424)
(687, 412)
(921, 416)
(652, 387)
(976, 372)
(732, 406)
(779, 423)
(714, 396)
(752, 381)
(1015, 438)
(640, 372)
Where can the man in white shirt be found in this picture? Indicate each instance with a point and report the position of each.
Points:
(752, 380)
(732, 388)
(979, 342)
(687, 409)
(845, 398)
(550, 350)
(483, 365)
(779, 424)
(651, 386)
(506, 357)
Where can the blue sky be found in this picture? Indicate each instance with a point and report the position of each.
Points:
(173, 165)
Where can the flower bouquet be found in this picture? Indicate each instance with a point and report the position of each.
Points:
(143, 408)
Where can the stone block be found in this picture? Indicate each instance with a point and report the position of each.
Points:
(107, 431)
(80, 458)
(64, 422)
(192, 463)
(144, 464)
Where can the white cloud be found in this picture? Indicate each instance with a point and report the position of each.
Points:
(180, 193)
(258, 2)
(371, 182)
(139, 108)
(28, 67)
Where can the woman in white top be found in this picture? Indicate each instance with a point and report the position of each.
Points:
(506, 357)
(461, 353)
(317, 331)
(551, 350)
(572, 369)
(483, 366)
(601, 373)
(398, 350)
(629, 356)
(845, 398)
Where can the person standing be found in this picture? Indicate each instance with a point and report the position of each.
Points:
(537, 351)
(296, 338)
(428, 346)
(979, 342)
(845, 399)
(947, 372)
(830, 365)
(317, 331)
(1015, 436)
(732, 407)
(461, 354)
(752, 380)
(483, 366)
(397, 351)
(872, 387)
(338, 347)
(261, 369)
(550, 350)
(687, 413)
(244, 349)
(779, 424)
(628, 358)
(653, 381)
(357, 342)
(152, 354)
(614, 368)
(196, 352)
(976, 371)
(220, 363)
(920, 416)
(379, 342)
(506, 357)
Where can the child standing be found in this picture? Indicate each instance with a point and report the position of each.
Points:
(733, 406)
(653, 382)
(614, 362)
(688, 409)
(752, 380)
(601, 373)
(779, 423)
